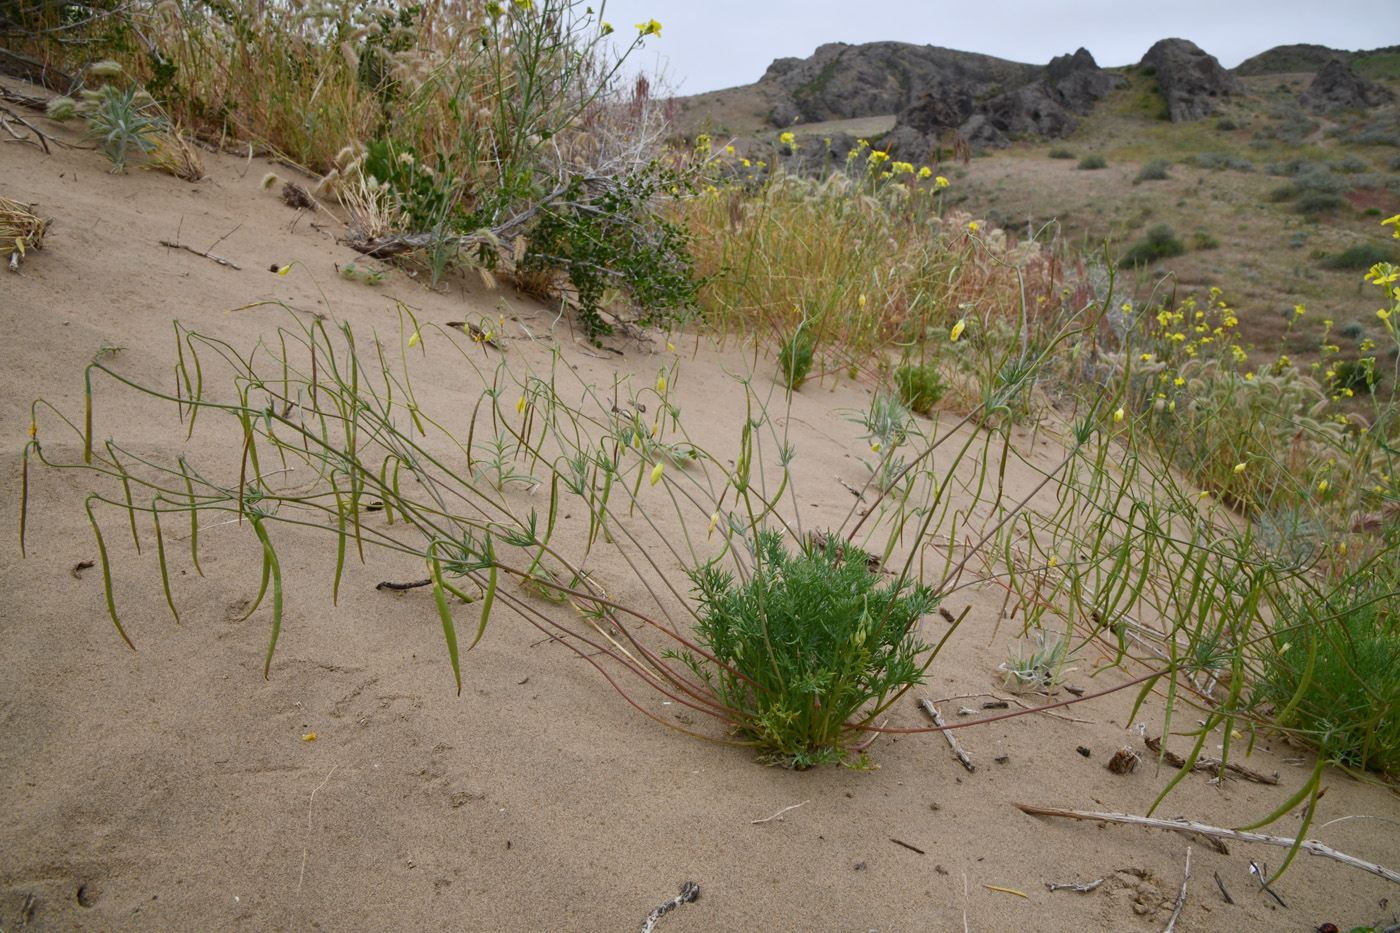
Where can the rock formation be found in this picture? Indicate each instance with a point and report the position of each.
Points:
(1337, 87)
(1045, 108)
(1190, 80)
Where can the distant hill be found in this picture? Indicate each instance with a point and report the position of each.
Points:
(1288, 59)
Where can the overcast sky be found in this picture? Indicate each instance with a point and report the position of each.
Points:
(710, 44)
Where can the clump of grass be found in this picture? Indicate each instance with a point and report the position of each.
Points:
(795, 358)
(1331, 670)
(1093, 161)
(1061, 154)
(920, 386)
(811, 646)
(1161, 242)
(1203, 239)
(1155, 170)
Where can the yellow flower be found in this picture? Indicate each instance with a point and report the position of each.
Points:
(787, 139)
(729, 150)
(413, 341)
(973, 225)
(876, 157)
(1146, 357)
(861, 302)
(875, 447)
(670, 346)
(520, 405)
(309, 737)
(1322, 486)
(1178, 381)
(714, 520)
(650, 28)
(925, 172)
(607, 29)
(284, 270)
(661, 383)
(1394, 222)
(656, 473)
(1239, 468)
(939, 183)
(1118, 415)
(1383, 314)
(956, 332)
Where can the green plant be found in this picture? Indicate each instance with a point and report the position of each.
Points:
(795, 357)
(1155, 170)
(1161, 242)
(1090, 162)
(121, 120)
(1203, 239)
(1061, 154)
(1039, 667)
(920, 386)
(1361, 256)
(1313, 203)
(1329, 668)
(810, 647)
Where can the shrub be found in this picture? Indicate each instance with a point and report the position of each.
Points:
(806, 643)
(120, 120)
(1282, 193)
(1361, 256)
(1155, 170)
(1355, 375)
(1161, 242)
(1202, 239)
(1349, 165)
(1394, 163)
(1319, 202)
(920, 387)
(1225, 125)
(1066, 154)
(1090, 162)
(1219, 160)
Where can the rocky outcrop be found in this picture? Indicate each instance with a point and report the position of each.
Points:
(1080, 80)
(1337, 87)
(842, 81)
(1190, 80)
(1068, 85)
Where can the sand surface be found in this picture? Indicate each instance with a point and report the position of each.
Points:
(170, 788)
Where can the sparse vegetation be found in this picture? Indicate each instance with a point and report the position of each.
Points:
(1091, 162)
(1156, 170)
(1161, 242)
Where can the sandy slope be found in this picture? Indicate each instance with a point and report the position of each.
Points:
(169, 788)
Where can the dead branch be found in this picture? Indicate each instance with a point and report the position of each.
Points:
(207, 255)
(1209, 764)
(937, 718)
(1311, 846)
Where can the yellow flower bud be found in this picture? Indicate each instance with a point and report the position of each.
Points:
(957, 331)
(656, 473)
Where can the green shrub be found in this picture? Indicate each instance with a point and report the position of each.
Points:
(1201, 239)
(795, 358)
(1331, 672)
(920, 387)
(1161, 242)
(1156, 170)
(1355, 375)
(121, 120)
(1361, 256)
(1319, 202)
(1225, 125)
(1066, 154)
(1283, 193)
(1090, 162)
(808, 643)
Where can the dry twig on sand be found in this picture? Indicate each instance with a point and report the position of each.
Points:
(1311, 846)
(1181, 896)
(1210, 764)
(952, 742)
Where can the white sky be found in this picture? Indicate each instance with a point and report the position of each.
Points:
(710, 44)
